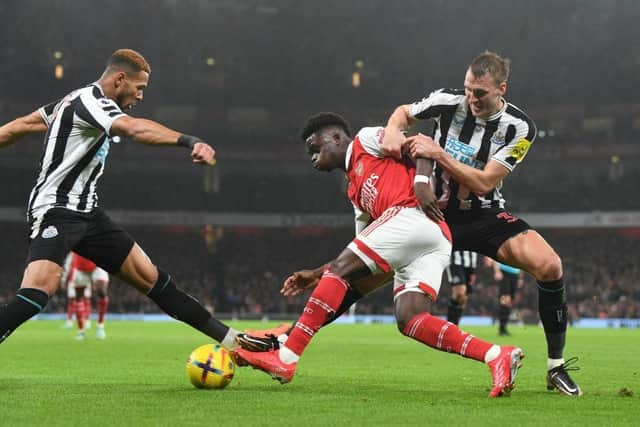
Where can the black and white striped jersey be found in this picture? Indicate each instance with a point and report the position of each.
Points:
(466, 259)
(505, 137)
(75, 149)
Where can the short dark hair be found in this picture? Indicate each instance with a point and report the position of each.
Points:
(129, 59)
(490, 63)
(322, 120)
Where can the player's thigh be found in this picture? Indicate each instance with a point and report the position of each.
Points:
(105, 243)
(138, 270)
(100, 280)
(52, 237)
(531, 252)
(424, 273)
(398, 237)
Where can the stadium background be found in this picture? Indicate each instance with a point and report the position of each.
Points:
(245, 74)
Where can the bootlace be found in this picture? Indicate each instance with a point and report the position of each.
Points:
(568, 365)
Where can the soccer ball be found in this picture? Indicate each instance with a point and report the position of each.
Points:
(210, 366)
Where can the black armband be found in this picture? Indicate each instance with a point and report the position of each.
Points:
(187, 141)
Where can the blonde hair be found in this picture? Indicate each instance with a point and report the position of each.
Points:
(128, 59)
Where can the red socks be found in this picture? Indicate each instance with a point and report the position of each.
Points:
(80, 313)
(102, 304)
(321, 305)
(446, 336)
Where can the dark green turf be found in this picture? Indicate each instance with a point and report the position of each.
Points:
(350, 375)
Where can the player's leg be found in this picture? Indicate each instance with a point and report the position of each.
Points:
(100, 282)
(51, 239)
(102, 301)
(505, 302)
(417, 284)
(71, 307)
(530, 252)
(80, 311)
(39, 283)
(456, 278)
(115, 251)
(270, 339)
(87, 306)
(325, 301)
(138, 271)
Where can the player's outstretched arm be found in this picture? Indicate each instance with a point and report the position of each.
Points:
(393, 138)
(478, 181)
(149, 132)
(16, 129)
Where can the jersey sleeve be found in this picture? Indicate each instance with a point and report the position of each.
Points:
(98, 113)
(524, 133)
(48, 111)
(371, 140)
(431, 107)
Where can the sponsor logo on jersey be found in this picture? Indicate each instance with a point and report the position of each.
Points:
(520, 149)
(464, 153)
(103, 151)
(50, 232)
(369, 193)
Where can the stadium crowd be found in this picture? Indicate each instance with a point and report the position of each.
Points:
(238, 271)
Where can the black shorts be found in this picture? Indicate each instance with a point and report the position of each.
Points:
(459, 275)
(484, 230)
(509, 283)
(92, 235)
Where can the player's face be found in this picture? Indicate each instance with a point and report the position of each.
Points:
(130, 89)
(484, 96)
(322, 150)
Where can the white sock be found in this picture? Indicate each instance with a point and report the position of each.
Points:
(552, 363)
(287, 355)
(229, 340)
(492, 353)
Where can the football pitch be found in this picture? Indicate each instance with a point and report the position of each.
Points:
(350, 375)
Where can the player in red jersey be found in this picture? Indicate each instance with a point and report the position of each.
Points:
(399, 228)
(82, 277)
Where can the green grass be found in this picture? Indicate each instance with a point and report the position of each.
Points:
(350, 375)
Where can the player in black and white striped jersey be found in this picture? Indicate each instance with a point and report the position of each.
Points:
(63, 211)
(480, 138)
(461, 275)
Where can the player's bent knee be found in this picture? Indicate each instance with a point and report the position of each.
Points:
(43, 275)
(550, 268)
(408, 305)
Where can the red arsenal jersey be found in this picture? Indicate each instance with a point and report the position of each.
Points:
(377, 182)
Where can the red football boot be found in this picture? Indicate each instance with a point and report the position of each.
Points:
(504, 369)
(269, 362)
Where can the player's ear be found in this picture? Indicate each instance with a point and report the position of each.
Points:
(503, 88)
(119, 78)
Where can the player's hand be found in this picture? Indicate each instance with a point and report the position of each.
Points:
(428, 201)
(203, 154)
(392, 142)
(498, 276)
(298, 282)
(424, 146)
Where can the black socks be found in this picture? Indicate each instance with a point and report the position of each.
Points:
(27, 303)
